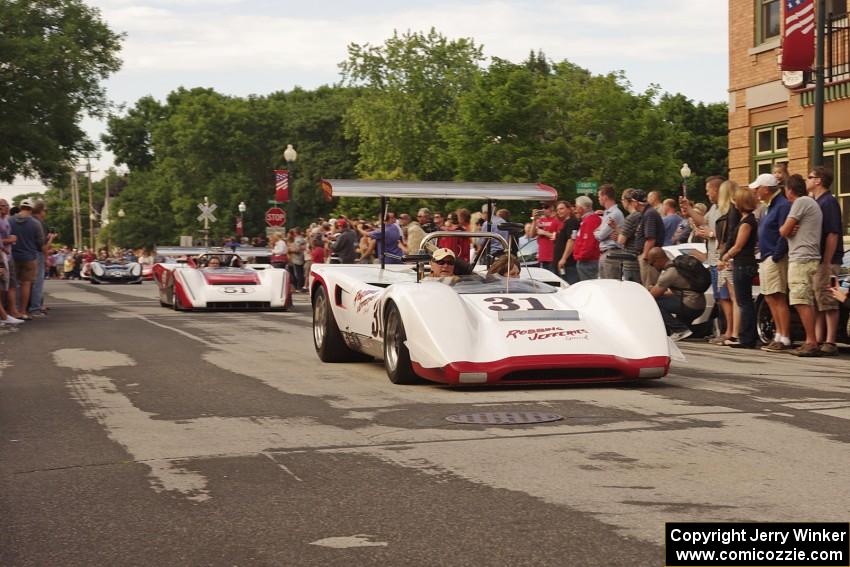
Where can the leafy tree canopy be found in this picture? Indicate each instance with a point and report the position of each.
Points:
(55, 53)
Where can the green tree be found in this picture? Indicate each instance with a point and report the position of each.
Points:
(129, 137)
(55, 53)
(700, 136)
(201, 143)
(412, 84)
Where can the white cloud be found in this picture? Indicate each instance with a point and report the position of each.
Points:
(255, 46)
(226, 34)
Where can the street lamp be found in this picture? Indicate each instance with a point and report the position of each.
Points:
(685, 172)
(290, 155)
(121, 213)
(242, 208)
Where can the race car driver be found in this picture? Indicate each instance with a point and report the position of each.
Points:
(443, 263)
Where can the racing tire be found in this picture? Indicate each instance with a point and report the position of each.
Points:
(396, 355)
(175, 301)
(327, 339)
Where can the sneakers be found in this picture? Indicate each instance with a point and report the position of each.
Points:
(828, 349)
(11, 321)
(775, 346)
(681, 335)
(807, 350)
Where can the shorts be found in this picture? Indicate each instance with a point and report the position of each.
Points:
(801, 282)
(4, 273)
(773, 276)
(724, 278)
(823, 298)
(719, 291)
(26, 271)
(648, 273)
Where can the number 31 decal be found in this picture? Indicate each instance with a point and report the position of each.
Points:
(509, 304)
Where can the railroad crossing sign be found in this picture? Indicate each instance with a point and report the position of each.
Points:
(275, 216)
(207, 211)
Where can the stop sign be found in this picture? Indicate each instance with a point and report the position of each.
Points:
(275, 216)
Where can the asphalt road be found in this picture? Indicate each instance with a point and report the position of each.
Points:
(135, 435)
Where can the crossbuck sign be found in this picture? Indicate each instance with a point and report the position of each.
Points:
(207, 211)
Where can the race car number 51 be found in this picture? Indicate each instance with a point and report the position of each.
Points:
(239, 290)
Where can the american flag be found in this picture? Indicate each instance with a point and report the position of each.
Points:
(798, 45)
(281, 185)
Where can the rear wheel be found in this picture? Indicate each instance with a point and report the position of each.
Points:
(175, 301)
(765, 326)
(396, 355)
(330, 346)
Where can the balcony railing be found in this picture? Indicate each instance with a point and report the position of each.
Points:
(837, 63)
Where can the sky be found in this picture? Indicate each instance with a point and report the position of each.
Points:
(242, 47)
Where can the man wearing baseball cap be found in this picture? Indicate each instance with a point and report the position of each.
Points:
(773, 265)
(30, 240)
(443, 263)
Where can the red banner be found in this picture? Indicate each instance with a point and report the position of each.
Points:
(798, 44)
(281, 185)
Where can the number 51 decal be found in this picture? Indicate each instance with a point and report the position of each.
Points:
(510, 304)
(239, 290)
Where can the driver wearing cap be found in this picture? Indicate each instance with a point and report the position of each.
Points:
(443, 263)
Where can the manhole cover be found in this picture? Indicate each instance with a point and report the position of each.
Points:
(504, 417)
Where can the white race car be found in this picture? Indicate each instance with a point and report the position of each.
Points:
(480, 329)
(215, 279)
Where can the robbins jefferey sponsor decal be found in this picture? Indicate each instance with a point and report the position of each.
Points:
(549, 333)
(364, 297)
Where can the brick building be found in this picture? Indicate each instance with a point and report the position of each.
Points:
(771, 114)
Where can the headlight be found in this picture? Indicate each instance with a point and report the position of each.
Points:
(136, 269)
(97, 269)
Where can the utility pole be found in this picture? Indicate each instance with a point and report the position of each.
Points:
(91, 205)
(75, 209)
(817, 141)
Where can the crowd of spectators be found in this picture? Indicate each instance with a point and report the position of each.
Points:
(785, 229)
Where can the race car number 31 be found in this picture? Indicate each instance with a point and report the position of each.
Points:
(237, 290)
(512, 304)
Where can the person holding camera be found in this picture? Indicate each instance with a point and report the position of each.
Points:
(546, 228)
(344, 243)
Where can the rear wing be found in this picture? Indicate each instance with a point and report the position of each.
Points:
(439, 190)
(241, 251)
(486, 191)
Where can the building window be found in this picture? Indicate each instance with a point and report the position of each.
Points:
(780, 138)
(768, 15)
(770, 146)
(836, 7)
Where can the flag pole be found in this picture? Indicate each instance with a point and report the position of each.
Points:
(817, 141)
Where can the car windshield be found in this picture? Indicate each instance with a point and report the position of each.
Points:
(496, 284)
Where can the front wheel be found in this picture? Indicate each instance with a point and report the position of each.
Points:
(396, 355)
